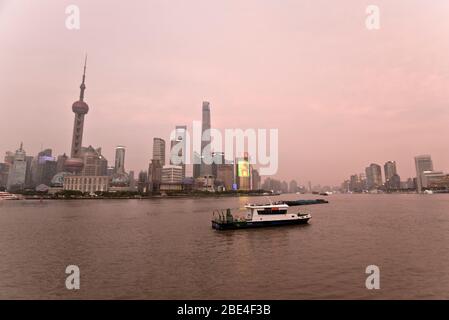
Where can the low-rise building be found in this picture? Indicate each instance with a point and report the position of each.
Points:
(89, 184)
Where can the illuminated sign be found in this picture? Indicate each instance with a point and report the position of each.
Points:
(243, 168)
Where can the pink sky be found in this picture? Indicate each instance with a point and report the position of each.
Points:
(342, 96)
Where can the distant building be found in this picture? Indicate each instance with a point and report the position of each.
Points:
(243, 175)
(120, 159)
(225, 176)
(431, 178)
(390, 170)
(17, 174)
(422, 163)
(293, 186)
(90, 184)
(159, 150)
(60, 163)
(4, 172)
(94, 163)
(142, 182)
(373, 176)
(178, 148)
(255, 180)
(206, 152)
(154, 175)
(171, 179)
(171, 174)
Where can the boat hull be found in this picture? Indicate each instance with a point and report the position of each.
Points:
(256, 224)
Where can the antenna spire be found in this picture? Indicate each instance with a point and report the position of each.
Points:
(83, 86)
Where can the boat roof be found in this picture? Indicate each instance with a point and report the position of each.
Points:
(268, 205)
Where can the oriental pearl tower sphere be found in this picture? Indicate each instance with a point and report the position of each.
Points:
(75, 164)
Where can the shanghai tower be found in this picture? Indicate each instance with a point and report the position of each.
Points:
(80, 108)
(206, 153)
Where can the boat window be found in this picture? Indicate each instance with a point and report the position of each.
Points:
(272, 211)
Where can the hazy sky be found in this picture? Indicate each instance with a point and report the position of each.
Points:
(342, 96)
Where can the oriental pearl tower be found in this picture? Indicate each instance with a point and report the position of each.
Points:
(80, 108)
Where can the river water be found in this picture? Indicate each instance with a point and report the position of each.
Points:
(166, 249)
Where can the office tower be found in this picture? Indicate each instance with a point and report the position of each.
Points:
(80, 108)
(110, 171)
(4, 172)
(159, 150)
(60, 166)
(28, 175)
(41, 170)
(293, 186)
(196, 165)
(178, 148)
(390, 170)
(154, 175)
(142, 182)
(17, 173)
(219, 160)
(373, 176)
(120, 159)
(94, 163)
(132, 181)
(243, 173)
(171, 174)
(225, 175)
(422, 163)
(206, 152)
(255, 180)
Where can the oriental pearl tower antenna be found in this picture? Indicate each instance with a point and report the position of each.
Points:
(80, 108)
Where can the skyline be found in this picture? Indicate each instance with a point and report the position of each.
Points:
(341, 123)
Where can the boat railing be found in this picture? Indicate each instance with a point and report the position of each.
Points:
(225, 216)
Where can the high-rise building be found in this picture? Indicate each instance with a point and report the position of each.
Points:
(422, 163)
(390, 170)
(60, 166)
(17, 174)
(171, 174)
(206, 152)
(132, 181)
(94, 163)
(225, 175)
(293, 186)
(178, 148)
(219, 159)
(80, 108)
(142, 182)
(120, 159)
(255, 180)
(243, 173)
(373, 176)
(154, 175)
(159, 150)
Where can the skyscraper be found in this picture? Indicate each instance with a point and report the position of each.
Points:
(159, 150)
(373, 176)
(206, 152)
(17, 174)
(390, 170)
(422, 163)
(120, 159)
(80, 108)
(178, 148)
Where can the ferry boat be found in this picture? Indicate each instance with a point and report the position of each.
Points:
(267, 215)
(8, 196)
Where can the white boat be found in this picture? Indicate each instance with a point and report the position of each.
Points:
(267, 215)
(8, 196)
